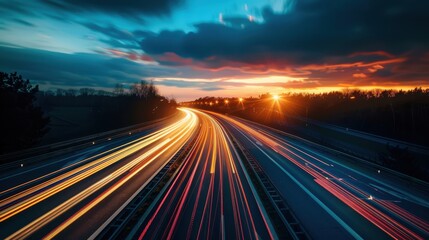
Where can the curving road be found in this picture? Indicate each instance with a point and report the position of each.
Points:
(333, 197)
(211, 194)
(81, 191)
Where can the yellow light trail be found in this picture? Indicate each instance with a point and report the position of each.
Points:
(90, 168)
(214, 151)
(213, 165)
(181, 130)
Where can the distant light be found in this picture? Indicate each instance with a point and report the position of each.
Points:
(226, 101)
(276, 97)
(352, 97)
(370, 197)
(22, 165)
(217, 101)
(240, 99)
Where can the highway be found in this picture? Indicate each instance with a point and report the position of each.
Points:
(211, 194)
(49, 198)
(332, 197)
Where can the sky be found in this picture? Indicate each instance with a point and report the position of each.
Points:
(197, 48)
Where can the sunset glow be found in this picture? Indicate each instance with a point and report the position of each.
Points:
(202, 119)
(224, 49)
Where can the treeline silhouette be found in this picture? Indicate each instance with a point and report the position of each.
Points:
(22, 121)
(400, 114)
(26, 112)
(396, 114)
(109, 110)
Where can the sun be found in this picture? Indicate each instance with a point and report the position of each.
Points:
(276, 97)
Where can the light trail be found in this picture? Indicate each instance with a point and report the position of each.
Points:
(176, 133)
(208, 197)
(53, 186)
(70, 166)
(338, 187)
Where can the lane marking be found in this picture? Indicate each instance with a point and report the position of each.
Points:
(306, 190)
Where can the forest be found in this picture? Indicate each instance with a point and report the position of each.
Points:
(401, 115)
(32, 117)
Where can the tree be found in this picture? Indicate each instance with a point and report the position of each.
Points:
(152, 91)
(71, 92)
(87, 91)
(119, 89)
(139, 90)
(23, 123)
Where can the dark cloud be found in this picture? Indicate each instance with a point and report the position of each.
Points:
(126, 7)
(142, 34)
(110, 31)
(15, 7)
(23, 22)
(118, 38)
(120, 44)
(73, 70)
(237, 21)
(54, 69)
(311, 32)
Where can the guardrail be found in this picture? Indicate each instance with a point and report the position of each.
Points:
(348, 156)
(129, 218)
(33, 155)
(282, 216)
(370, 136)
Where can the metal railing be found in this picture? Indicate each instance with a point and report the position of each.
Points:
(287, 217)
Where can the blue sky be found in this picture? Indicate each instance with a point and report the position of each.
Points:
(34, 24)
(195, 48)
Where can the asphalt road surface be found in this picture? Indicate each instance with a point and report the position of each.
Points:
(211, 195)
(72, 196)
(332, 197)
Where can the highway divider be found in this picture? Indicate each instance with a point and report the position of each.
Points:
(129, 220)
(286, 224)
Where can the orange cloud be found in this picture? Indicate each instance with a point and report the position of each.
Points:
(174, 59)
(328, 67)
(375, 68)
(146, 58)
(359, 75)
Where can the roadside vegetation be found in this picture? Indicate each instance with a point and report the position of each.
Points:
(23, 123)
(31, 117)
(401, 115)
